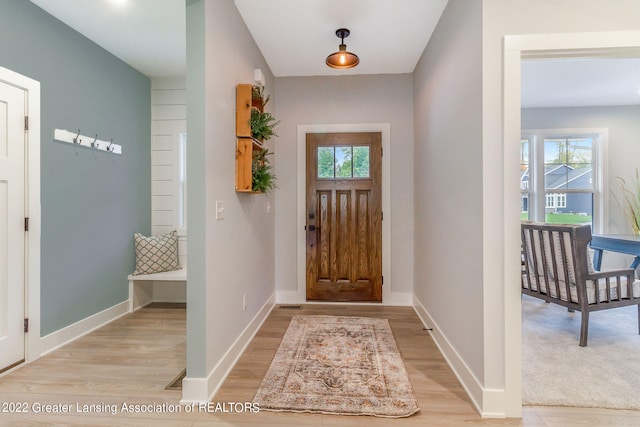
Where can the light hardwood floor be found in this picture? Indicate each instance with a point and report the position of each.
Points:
(131, 360)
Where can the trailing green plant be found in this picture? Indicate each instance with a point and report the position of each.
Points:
(262, 125)
(631, 201)
(263, 178)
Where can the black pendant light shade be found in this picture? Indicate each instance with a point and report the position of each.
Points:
(342, 58)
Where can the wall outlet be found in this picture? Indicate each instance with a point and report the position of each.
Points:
(244, 302)
(219, 209)
(267, 206)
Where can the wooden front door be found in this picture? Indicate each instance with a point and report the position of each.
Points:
(344, 217)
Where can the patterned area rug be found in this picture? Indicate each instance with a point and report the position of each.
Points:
(338, 365)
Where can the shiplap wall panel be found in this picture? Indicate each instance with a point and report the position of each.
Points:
(162, 188)
(169, 84)
(163, 218)
(170, 97)
(169, 112)
(168, 115)
(162, 157)
(163, 203)
(163, 173)
(162, 142)
(168, 127)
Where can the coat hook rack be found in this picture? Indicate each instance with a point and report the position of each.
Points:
(86, 141)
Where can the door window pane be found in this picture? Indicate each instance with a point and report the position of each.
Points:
(326, 164)
(361, 162)
(344, 162)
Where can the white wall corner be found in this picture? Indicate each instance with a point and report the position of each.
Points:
(398, 298)
(490, 403)
(288, 297)
(493, 403)
(70, 333)
(202, 390)
(195, 390)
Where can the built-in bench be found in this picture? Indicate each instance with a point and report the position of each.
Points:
(141, 286)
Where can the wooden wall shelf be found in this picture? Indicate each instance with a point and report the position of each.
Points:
(244, 160)
(246, 145)
(243, 110)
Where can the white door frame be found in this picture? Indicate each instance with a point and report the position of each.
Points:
(32, 190)
(514, 48)
(385, 129)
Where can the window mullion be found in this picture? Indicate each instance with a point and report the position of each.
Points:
(538, 200)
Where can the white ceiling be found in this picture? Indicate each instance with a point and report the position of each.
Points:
(295, 36)
(580, 82)
(149, 35)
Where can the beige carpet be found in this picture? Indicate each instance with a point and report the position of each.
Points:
(558, 372)
(338, 365)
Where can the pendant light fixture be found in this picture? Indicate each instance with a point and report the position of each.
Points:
(342, 58)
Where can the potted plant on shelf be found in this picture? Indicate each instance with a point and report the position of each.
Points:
(263, 178)
(258, 99)
(262, 125)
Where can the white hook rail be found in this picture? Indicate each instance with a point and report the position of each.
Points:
(86, 141)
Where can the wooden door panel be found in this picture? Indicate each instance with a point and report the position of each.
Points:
(323, 229)
(343, 245)
(344, 228)
(363, 236)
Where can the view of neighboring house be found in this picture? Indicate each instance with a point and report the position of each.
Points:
(557, 178)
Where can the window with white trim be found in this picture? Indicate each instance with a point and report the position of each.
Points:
(559, 176)
(182, 183)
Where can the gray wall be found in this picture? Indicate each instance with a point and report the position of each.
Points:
(234, 256)
(449, 181)
(92, 202)
(346, 100)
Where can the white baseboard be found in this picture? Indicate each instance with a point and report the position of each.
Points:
(202, 390)
(64, 336)
(490, 403)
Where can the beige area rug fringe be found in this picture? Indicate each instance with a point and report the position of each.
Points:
(338, 365)
(556, 371)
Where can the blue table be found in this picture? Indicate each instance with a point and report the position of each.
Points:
(622, 243)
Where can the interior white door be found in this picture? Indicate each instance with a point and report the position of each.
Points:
(12, 237)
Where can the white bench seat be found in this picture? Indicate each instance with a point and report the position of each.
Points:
(141, 286)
